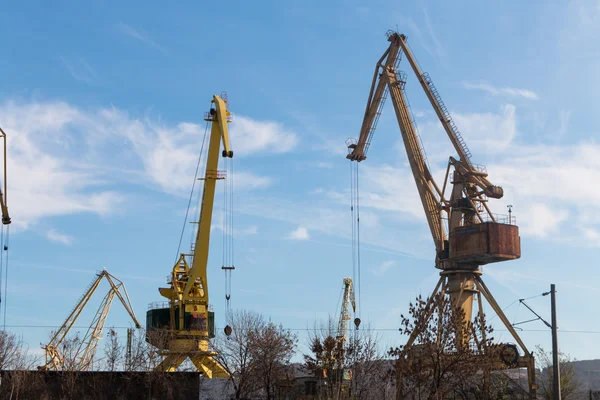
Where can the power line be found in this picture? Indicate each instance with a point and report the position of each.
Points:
(307, 329)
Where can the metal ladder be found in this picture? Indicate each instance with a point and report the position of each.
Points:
(447, 116)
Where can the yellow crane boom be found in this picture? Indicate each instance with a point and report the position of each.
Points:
(188, 321)
(84, 354)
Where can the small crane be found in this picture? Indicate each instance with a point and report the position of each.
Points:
(342, 331)
(187, 321)
(341, 374)
(466, 234)
(84, 354)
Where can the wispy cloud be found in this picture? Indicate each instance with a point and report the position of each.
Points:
(58, 237)
(322, 164)
(440, 50)
(299, 234)
(249, 136)
(79, 69)
(44, 180)
(217, 224)
(59, 156)
(382, 268)
(495, 91)
(140, 35)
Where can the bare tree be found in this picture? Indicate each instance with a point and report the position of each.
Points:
(235, 352)
(371, 373)
(16, 361)
(13, 353)
(113, 351)
(569, 385)
(355, 368)
(322, 361)
(448, 353)
(272, 348)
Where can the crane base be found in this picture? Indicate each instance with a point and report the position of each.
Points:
(203, 361)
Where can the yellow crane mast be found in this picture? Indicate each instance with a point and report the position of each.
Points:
(187, 322)
(81, 359)
(465, 232)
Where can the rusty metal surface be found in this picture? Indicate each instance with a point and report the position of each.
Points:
(485, 243)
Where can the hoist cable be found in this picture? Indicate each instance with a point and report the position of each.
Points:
(353, 223)
(358, 237)
(231, 209)
(191, 193)
(224, 225)
(2, 300)
(5, 249)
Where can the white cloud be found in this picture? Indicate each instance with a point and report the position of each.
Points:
(592, 235)
(548, 185)
(139, 35)
(487, 131)
(64, 160)
(299, 234)
(323, 165)
(217, 224)
(495, 91)
(382, 268)
(484, 133)
(58, 237)
(245, 180)
(539, 220)
(79, 69)
(42, 180)
(249, 136)
(440, 50)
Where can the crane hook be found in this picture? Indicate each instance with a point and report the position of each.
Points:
(227, 330)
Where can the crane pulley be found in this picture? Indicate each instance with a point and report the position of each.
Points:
(82, 357)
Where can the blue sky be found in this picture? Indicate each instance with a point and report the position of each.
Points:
(103, 105)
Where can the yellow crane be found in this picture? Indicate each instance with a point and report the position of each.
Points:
(465, 232)
(81, 358)
(187, 322)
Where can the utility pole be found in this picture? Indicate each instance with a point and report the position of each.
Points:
(555, 363)
(554, 327)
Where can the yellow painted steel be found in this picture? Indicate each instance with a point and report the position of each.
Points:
(188, 293)
(87, 348)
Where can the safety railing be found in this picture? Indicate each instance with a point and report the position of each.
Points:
(500, 218)
(215, 174)
(212, 116)
(158, 304)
